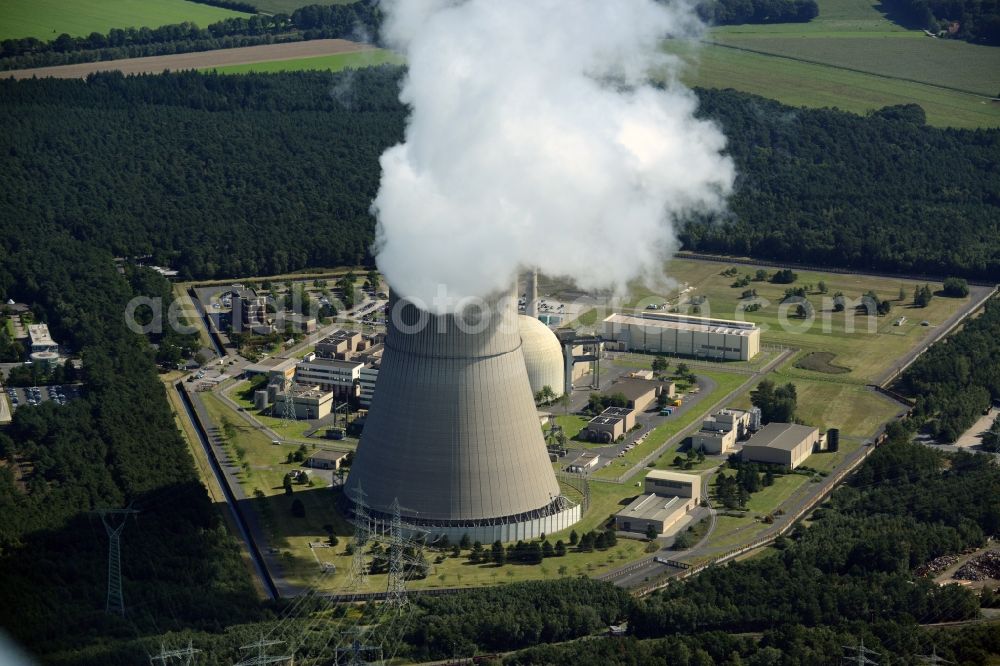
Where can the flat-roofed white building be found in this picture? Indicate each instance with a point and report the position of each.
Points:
(610, 424)
(674, 484)
(308, 402)
(787, 444)
(331, 374)
(666, 333)
(720, 431)
(41, 340)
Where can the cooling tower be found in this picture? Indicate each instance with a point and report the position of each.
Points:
(453, 433)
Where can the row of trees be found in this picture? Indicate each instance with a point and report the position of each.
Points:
(973, 20)
(359, 20)
(729, 12)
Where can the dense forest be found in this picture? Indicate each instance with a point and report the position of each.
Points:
(116, 445)
(731, 12)
(973, 20)
(359, 20)
(224, 176)
(957, 379)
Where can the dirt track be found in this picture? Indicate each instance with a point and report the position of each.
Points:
(180, 61)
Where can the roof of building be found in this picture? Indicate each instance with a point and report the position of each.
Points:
(340, 335)
(332, 362)
(784, 436)
(666, 475)
(683, 322)
(632, 389)
(307, 391)
(323, 454)
(39, 334)
(653, 507)
(620, 412)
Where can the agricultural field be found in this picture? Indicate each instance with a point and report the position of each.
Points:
(853, 58)
(333, 63)
(47, 19)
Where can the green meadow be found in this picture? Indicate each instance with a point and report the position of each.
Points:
(47, 19)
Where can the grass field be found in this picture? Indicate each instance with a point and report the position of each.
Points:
(47, 19)
(332, 63)
(811, 85)
(857, 61)
(868, 346)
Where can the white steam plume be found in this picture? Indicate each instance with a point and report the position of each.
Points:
(536, 140)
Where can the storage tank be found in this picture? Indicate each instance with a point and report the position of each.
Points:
(260, 400)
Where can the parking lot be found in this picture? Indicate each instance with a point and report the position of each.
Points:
(36, 395)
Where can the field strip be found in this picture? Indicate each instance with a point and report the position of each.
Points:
(851, 69)
(243, 55)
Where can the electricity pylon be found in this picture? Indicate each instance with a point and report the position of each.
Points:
(262, 658)
(396, 591)
(858, 654)
(116, 602)
(359, 568)
(932, 658)
(355, 652)
(185, 655)
(289, 411)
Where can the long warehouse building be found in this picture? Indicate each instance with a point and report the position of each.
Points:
(666, 333)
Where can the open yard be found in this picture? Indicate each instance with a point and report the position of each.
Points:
(47, 19)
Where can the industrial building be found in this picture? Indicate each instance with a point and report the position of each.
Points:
(720, 431)
(332, 374)
(668, 497)
(665, 333)
(585, 462)
(639, 393)
(787, 444)
(452, 433)
(308, 402)
(543, 355)
(610, 424)
(249, 311)
(340, 344)
(323, 459)
(41, 340)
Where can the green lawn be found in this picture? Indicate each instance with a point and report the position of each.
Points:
(867, 346)
(333, 63)
(47, 19)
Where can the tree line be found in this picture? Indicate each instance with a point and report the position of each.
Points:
(355, 20)
(973, 20)
(731, 12)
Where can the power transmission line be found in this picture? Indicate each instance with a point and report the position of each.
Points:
(359, 568)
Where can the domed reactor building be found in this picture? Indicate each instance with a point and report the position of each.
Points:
(453, 433)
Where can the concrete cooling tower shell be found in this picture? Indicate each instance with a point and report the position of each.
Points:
(542, 355)
(453, 433)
